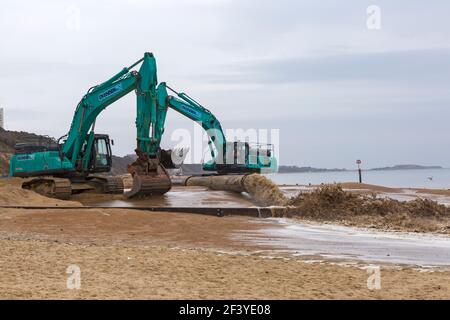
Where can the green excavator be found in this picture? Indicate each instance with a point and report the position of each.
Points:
(80, 160)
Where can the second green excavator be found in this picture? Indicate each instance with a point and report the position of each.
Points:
(79, 160)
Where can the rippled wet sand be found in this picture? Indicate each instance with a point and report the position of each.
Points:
(339, 242)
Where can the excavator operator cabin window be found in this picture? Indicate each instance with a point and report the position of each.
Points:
(101, 157)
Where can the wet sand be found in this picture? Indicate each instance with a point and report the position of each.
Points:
(115, 226)
(177, 197)
(307, 241)
(128, 254)
(340, 243)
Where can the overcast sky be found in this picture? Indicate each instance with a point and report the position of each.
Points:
(337, 90)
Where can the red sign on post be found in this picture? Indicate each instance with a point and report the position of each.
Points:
(358, 161)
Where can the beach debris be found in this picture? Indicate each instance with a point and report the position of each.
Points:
(331, 199)
(333, 204)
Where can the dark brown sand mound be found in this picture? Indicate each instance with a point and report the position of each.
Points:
(330, 200)
(332, 203)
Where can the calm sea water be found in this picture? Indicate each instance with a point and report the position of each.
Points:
(440, 178)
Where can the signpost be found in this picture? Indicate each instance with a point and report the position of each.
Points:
(358, 162)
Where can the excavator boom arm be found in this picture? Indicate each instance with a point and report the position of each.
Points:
(234, 157)
(92, 104)
(100, 97)
(190, 108)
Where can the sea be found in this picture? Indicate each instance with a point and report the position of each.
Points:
(417, 178)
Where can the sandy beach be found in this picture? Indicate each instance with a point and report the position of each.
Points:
(130, 254)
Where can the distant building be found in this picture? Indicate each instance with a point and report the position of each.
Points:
(2, 119)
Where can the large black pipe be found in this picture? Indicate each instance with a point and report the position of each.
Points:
(234, 183)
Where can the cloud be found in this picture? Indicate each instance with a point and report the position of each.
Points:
(426, 67)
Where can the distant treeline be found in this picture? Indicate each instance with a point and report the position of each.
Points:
(293, 169)
(407, 167)
(196, 168)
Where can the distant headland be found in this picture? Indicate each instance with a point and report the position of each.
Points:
(296, 169)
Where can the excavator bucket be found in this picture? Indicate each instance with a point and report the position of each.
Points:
(149, 185)
(149, 178)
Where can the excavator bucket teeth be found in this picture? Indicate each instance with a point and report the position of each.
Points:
(149, 185)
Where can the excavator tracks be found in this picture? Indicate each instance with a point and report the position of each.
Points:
(108, 185)
(62, 188)
(58, 188)
(114, 185)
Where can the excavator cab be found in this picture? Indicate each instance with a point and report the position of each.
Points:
(100, 154)
(244, 157)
